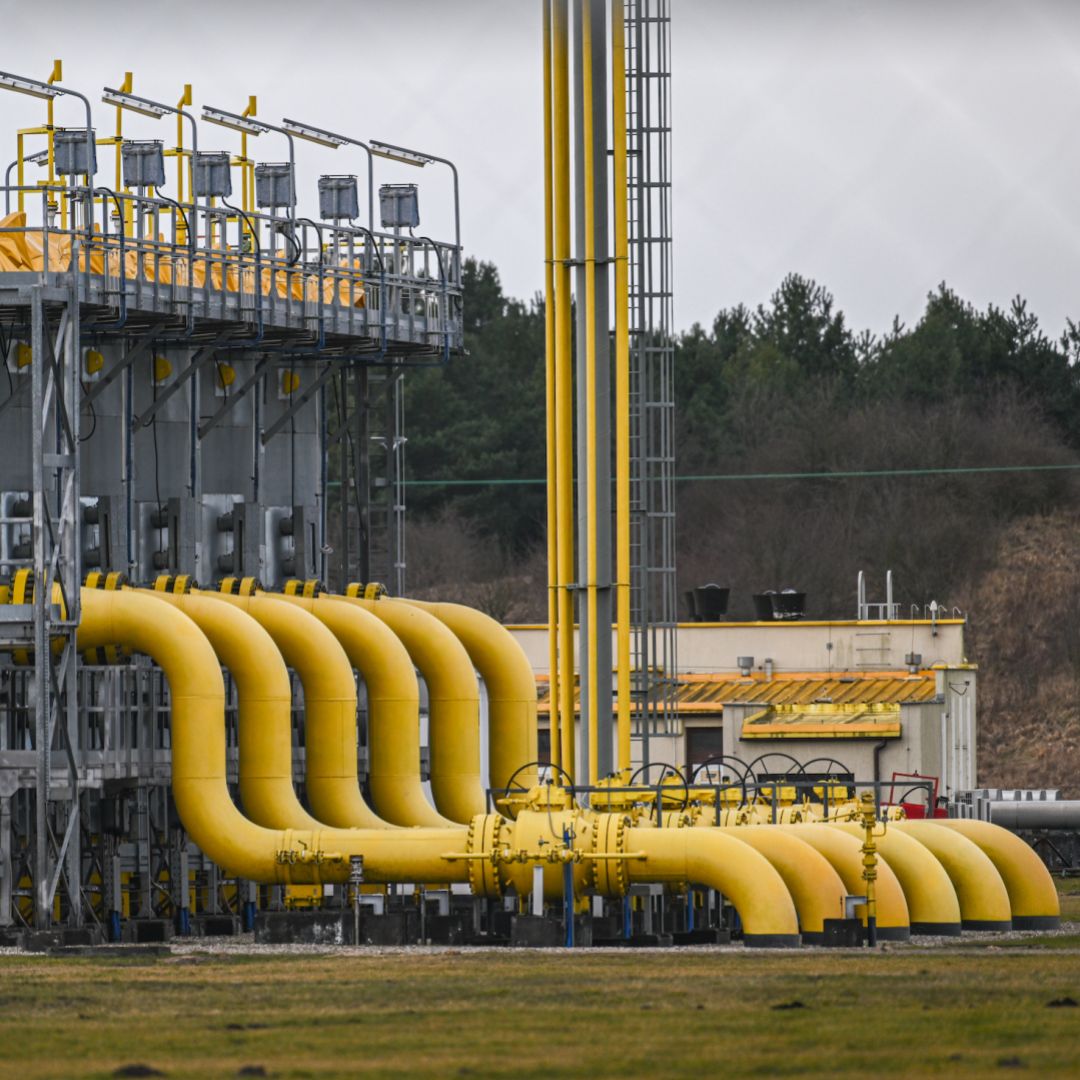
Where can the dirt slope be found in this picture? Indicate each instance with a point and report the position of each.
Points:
(1024, 633)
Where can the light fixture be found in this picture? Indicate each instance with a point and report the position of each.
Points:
(400, 154)
(40, 158)
(140, 105)
(314, 134)
(27, 86)
(225, 119)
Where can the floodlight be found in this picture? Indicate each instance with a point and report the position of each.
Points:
(400, 154)
(225, 119)
(27, 86)
(140, 105)
(40, 158)
(314, 134)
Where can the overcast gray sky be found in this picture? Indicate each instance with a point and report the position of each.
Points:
(879, 146)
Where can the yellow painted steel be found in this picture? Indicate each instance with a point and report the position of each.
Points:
(549, 412)
(264, 695)
(510, 685)
(622, 386)
(144, 624)
(591, 553)
(932, 903)
(393, 708)
(564, 378)
(330, 744)
(453, 704)
(984, 900)
(816, 888)
(1033, 897)
(845, 854)
(718, 860)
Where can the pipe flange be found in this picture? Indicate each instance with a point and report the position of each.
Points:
(607, 876)
(373, 590)
(485, 838)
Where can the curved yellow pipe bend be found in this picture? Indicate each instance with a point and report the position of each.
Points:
(330, 738)
(931, 898)
(393, 709)
(715, 858)
(815, 887)
(241, 848)
(1033, 897)
(984, 900)
(453, 704)
(845, 854)
(264, 696)
(511, 690)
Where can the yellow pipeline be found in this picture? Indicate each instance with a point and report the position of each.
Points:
(984, 900)
(197, 693)
(511, 689)
(393, 707)
(845, 854)
(330, 740)
(591, 553)
(265, 709)
(549, 412)
(816, 889)
(714, 858)
(931, 898)
(453, 704)
(564, 377)
(622, 385)
(1033, 898)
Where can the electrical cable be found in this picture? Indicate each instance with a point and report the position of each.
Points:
(852, 474)
(157, 469)
(93, 414)
(5, 348)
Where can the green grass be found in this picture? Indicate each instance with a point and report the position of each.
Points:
(514, 1014)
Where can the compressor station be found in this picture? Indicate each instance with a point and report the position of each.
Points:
(220, 712)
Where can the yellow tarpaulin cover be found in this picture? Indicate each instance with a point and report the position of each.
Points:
(24, 250)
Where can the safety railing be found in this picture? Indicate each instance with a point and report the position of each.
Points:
(331, 282)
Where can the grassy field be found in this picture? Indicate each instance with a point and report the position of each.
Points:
(978, 1010)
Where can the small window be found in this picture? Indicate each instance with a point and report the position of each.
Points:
(543, 746)
(703, 743)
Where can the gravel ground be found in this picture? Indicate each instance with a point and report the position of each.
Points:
(245, 945)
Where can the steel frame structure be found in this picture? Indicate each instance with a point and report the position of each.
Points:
(654, 603)
(335, 302)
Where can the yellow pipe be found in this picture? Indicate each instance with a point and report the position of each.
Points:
(555, 740)
(510, 685)
(931, 898)
(265, 709)
(984, 900)
(815, 887)
(564, 379)
(453, 704)
(330, 742)
(1033, 897)
(845, 854)
(714, 858)
(622, 386)
(141, 623)
(393, 709)
(591, 595)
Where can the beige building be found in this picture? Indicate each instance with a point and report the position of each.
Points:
(871, 699)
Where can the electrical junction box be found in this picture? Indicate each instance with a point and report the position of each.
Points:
(143, 164)
(274, 187)
(212, 174)
(338, 198)
(399, 206)
(71, 150)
